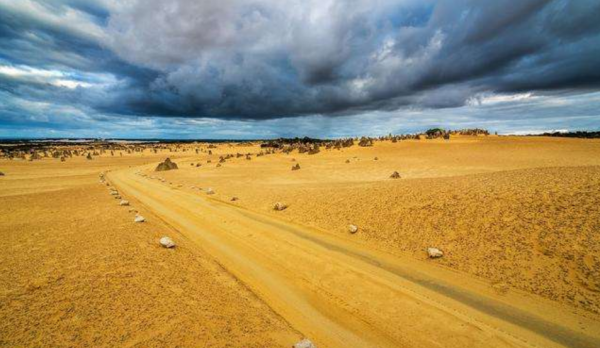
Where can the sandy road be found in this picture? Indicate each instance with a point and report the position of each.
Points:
(341, 294)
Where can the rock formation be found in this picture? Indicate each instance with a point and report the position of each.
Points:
(166, 165)
(434, 253)
(167, 242)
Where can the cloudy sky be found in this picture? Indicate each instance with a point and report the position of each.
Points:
(270, 68)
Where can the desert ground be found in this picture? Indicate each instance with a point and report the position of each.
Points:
(344, 263)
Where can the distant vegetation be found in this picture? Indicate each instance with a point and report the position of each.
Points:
(578, 134)
(62, 150)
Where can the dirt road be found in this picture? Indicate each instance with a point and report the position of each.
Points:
(340, 294)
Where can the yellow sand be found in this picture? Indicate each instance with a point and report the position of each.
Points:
(517, 218)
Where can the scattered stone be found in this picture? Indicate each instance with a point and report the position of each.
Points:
(353, 229)
(114, 193)
(117, 197)
(395, 175)
(434, 253)
(167, 242)
(210, 191)
(305, 343)
(166, 165)
(279, 206)
(124, 203)
(376, 158)
(347, 161)
(132, 210)
(1, 174)
(139, 218)
(233, 199)
(296, 167)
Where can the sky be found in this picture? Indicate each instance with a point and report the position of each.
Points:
(233, 69)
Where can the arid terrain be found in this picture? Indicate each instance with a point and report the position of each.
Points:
(343, 263)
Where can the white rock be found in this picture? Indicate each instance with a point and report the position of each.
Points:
(279, 206)
(167, 242)
(124, 203)
(139, 218)
(352, 228)
(114, 193)
(305, 343)
(434, 253)
(210, 191)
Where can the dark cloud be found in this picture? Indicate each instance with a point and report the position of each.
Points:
(268, 59)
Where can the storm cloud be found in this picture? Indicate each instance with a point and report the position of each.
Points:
(266, 59)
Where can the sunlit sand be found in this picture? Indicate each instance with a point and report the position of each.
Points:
(478, 241)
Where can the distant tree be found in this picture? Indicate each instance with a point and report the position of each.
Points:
(434, 132)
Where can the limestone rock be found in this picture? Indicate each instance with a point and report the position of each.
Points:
(353, 229)
(166, 165)
(434, 253)
(167, 242)
(305, 343)
(395, 175)
(279, 206)
(124, 203)
(139, 218)
(210, 191)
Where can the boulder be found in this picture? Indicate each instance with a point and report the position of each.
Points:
(124, 203)
(434, 253)
(279, 206)
(167, 242)
(305, 343)
(395, 175)
(166, 165)
(296, 167)
(114, 192)
(352, 229)
(139, 218)
(210, 191)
